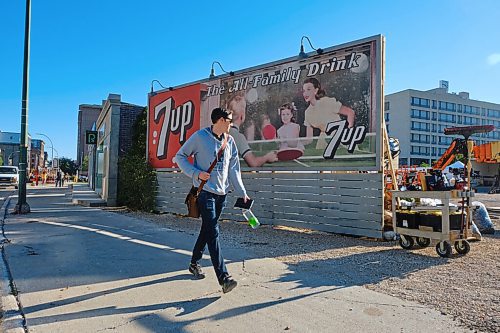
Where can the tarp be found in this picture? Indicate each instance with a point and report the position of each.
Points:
(456, 165)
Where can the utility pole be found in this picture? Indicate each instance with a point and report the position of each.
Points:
(22, 206)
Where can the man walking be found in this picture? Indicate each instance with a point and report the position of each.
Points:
(205, 145)
(58, 178)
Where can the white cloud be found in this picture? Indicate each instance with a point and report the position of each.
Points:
(494, 59)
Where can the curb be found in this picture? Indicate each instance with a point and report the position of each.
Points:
(89, 203)
(13, 320)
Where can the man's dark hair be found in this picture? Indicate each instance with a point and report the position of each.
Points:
(218, 113)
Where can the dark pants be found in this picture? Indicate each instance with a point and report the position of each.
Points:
(210, 206)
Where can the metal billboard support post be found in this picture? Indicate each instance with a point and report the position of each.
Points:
(22, 207)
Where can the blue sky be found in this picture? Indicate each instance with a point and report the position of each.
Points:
(83, 50)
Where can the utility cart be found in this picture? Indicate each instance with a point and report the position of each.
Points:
(422, 224)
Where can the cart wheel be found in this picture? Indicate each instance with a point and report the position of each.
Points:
(462, 246)
(423, 242)
(406, 242)
(443, 249)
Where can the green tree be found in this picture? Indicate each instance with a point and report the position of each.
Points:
(85, 164)
(136, 177)
(67, 165)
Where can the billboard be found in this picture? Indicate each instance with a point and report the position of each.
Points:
(319, 112)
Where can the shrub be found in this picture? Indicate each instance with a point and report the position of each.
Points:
(136, 178)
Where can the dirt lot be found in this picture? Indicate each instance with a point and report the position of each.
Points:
(464, 287)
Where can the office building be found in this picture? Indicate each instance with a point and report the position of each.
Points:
(37, 154)
(418, 119)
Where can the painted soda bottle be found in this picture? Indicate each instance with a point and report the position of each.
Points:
(252, 220)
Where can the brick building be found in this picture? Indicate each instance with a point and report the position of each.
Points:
(114, 138)
(37, 154)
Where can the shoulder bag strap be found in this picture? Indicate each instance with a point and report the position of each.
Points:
(212, 166)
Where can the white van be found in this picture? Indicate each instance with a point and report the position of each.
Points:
(9, 176)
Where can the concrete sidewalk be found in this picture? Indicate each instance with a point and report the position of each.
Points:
(82, 195)
(82, 269)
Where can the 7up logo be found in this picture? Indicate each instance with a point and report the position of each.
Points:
(176, 120)
(341, 134)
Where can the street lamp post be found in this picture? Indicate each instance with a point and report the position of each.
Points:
(22, 207)
(57, 158)
(51, 145)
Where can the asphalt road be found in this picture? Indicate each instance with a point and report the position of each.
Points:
(5, 192)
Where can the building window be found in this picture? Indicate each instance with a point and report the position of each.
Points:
(447, 118)
(419, 150)
(434, 104)
(445, 140)
(419, 126)
(447, 106)
(420, 138)
(387, 106)
(420, 114)
(423, 102)
(471, 120)
(493, 113)
(386, 115)
(472, 110)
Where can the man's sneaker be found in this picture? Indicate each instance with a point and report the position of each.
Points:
(196, 270)
(228, 284)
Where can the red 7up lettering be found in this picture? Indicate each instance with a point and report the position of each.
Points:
(347, 136)
(175, 120)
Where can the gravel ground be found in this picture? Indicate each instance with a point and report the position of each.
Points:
(464, 287)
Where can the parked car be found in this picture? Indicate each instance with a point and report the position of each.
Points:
(9, 176)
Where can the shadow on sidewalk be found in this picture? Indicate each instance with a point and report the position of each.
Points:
(72, 250)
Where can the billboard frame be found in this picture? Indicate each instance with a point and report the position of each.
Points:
(377, 82)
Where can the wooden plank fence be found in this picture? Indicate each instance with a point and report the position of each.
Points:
(346, 203)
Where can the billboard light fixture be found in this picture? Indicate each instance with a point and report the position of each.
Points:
(212, 71)
(302, 54)
(161, 85)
